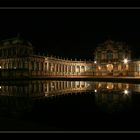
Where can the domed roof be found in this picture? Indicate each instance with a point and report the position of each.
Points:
(14, 41)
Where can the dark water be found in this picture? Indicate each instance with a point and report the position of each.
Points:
(69, 105)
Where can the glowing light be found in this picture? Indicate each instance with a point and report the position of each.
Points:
(0, 87)
(95, 90)
(0, 67)
(125, 91)
(125, 61)
(95, 62)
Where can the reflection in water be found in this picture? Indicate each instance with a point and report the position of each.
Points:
(55, 88)
(86, 99)
(108, 96)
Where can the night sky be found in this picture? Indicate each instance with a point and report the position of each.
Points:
(72, 33)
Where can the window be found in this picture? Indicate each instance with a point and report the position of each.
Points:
(109, 55)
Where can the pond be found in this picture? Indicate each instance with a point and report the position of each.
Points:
(53, 105)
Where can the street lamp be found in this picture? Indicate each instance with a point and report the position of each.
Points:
(125, 61)
(95, 62)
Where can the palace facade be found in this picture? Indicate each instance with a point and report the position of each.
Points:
(17, 60)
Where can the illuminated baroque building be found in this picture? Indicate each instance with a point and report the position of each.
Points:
(17, 60)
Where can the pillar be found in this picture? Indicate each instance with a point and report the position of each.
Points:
(61, 67)
(57, 67)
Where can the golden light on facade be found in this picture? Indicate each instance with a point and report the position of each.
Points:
(110, 86)
(99, 67)
(99, 85)
(109, 67)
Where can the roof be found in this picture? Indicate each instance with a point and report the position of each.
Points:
(112, 44)
(14, 41)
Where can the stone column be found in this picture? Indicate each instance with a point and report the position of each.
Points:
(55, 68)
(62, 68)
(67, 69)
(71, 84)
(58, 85)
(74, 68)
(65, 85)
(50, 67)
(47, 63)
(58, 68)
(71, 69)
(61, 85)
(79, 69)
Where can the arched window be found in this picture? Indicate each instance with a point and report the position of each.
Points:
(82, 68)
(78, 69)
(109, 55)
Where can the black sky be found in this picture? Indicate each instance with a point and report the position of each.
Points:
(72, 33)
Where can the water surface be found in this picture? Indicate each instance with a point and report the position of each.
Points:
(69, 105)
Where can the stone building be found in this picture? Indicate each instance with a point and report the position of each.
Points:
(17, 60)
(112, 58)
